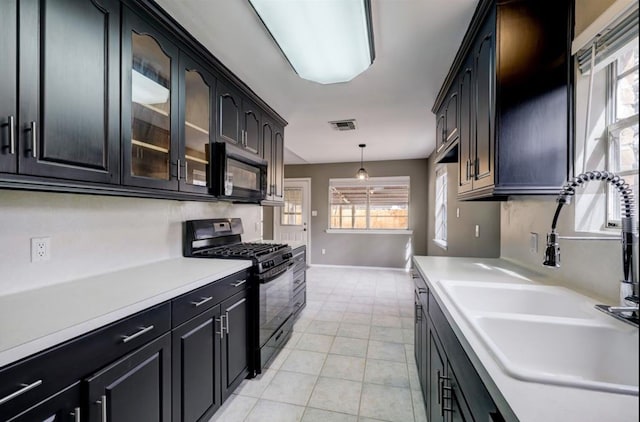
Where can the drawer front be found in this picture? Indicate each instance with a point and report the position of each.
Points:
(52, 370)
(299, 281)
(195, 302)
(300, 259)
(299, 301)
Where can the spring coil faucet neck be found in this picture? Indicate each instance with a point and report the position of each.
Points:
(629, 282)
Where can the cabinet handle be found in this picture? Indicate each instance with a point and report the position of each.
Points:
(221, 321)
(441, 396)
(76, 415)
(143, 330)
(24, 389)
(178, 164)
(476, 165)
(418, 312)
(202, 301)
(467, 165)
(239, 283)
(103, 407)
(12, 135)
(34, 139)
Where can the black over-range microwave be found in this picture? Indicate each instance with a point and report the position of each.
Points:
(237, 175)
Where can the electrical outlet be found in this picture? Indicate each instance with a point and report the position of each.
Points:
(324, 251)
(533, 242)
(40, 249)
(477, 230)
(457, 212)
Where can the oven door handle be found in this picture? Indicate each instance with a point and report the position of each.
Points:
(272, 276)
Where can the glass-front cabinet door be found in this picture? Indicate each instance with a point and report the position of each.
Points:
(197, 88)
(149, 121)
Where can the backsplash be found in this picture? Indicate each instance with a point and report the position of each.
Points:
(593, 267)
(97, 234)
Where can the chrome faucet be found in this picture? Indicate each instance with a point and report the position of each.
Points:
(628, 309)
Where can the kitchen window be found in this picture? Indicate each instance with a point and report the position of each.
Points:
(622, 126)
(377, 205)
(441, 207)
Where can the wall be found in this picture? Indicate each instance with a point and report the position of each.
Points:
(374, 250)
(461, 240)
(96, 234)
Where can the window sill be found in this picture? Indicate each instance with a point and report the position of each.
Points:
(441, 243)
(352, 231)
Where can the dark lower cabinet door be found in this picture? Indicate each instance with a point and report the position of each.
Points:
(8, 85)
(65, 406)
(235, 343)
(196, 367)
(455, 403)
(436, 371)
(135, 388)
(423, 371)
(69, 55)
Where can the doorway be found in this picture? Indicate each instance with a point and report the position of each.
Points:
(291, 222)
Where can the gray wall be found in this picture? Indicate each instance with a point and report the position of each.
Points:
(461, 240)
(374, 250)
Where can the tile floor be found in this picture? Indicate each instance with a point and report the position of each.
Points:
(350, 357)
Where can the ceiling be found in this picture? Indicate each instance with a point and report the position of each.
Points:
(415, 42)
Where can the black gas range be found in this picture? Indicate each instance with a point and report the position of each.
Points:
(271, 282)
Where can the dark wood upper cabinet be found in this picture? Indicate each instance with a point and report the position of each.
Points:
(150, 121)
(8, 86)
(229, 115)
(251, 117)
(197, 117)
(69, 89)
(273, 152)
(514, 84)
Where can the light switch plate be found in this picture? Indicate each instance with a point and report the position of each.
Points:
(314, 213)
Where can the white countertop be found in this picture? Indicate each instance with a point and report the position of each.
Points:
(529, 401)
(34, 320)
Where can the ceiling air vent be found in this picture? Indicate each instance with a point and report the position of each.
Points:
(344, 124)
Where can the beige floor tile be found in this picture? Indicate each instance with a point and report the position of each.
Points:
(382, 350)
(382, 320)
(386, 403)
(315, 343)
(318, 415)
(269, 411)
(255, 387)
(304, 362)
(328, 328)
(235, 409)
(336, 395)
(344, 367)
(349, 347)
(356, 318)
(290, 387)
(331, 316)
(387, 334)
(387, 373)
(354, 330)
(419, 410)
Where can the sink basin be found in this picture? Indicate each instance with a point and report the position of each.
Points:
(517, 299)
(579, 353)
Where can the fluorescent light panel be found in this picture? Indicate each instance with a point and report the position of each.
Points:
(326, 41)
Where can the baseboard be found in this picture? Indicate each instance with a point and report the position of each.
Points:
(359, 267)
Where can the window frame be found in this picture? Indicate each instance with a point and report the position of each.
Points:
(615, 126)
(441, 206)
(372, 181)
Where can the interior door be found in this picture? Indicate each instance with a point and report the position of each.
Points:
(292, 219)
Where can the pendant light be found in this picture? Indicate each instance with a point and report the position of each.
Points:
(362, 173)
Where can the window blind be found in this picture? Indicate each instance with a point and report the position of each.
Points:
(609, 41)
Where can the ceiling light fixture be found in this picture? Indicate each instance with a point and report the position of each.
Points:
(325, 41)
(362, 173)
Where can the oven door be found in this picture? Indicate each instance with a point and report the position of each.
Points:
(237, 175)
(276, 295)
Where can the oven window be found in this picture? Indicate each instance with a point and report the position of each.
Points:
(275, 304)
(244, 175)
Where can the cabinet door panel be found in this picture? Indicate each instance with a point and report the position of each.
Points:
(229, 110)
(436, 372)
(149, 110)
(465, 129)
(135, 388)
(278, 164)
(69, 52)
(440, 128)
(8, 87)
(197, 90)
(267, 154)
(251, 124)
(484, 67)
(196, 367)
(235, 342)
(452, 116)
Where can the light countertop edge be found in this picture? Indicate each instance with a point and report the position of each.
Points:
(516, 399)
(31, 322)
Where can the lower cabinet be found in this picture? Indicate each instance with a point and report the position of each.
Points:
(64, 406)
(135, 388)
(451, 387)
(143, 367)
(210, 358)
